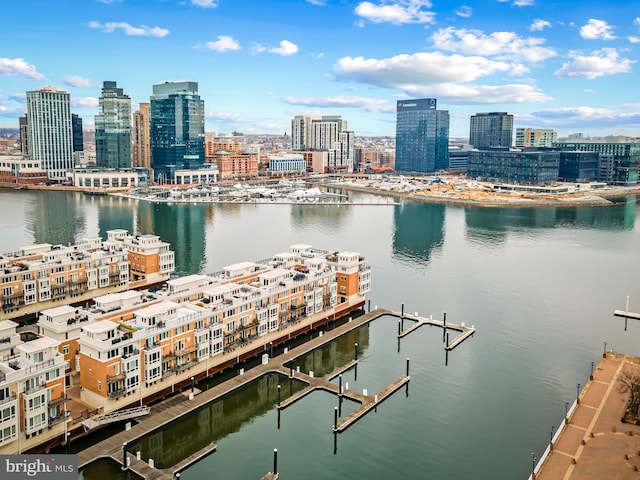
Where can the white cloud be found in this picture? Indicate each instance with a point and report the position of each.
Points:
(319, 3)
(223, 44)
(367, 104)
(597, 29)
(19, 97)
(503, 45)
(396, 12)
(285, 49)
(601, 62)
(538, 25)
(633, 39)
(78, 81)
(439, 75)
(423, 68)
(205, 3)
(636, 21)
(17, 66)
(84, 102)
(519, 3)
(128, 29)
(590, 116)
(464, 11)
(109, 1)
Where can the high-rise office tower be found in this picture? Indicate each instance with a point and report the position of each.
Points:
(494, 129)
(50, 131)
(535, 137)
(422, 136)
(113, 128)
(76, 129)
(177, 129)
(141, 134)
(23, 123)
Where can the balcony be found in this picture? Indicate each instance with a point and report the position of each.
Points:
(187, 350)
(116, 393)
(130, 353)
(34, 389)
(57, 401)
(8, 399)
(57, 419)
(115, 378)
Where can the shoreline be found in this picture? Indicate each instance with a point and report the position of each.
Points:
(591, 198)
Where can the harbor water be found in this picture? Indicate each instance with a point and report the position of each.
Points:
(540, 286)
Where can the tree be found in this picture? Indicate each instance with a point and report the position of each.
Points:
(629, 382)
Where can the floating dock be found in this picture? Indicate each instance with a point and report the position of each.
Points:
(176, 406)
(465, 332)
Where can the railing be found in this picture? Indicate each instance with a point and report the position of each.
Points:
(34, 389)
(187, 350)
(116, 393)
(57, 419)
(8, 399)
(130, 353)
(57, 401)
(115, 378)
(168, 372)
(5, 340)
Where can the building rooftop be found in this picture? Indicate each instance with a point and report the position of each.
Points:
(42, 343)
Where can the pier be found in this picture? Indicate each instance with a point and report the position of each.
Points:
(465, 332)
(176, 406)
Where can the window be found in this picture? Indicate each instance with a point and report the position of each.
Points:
(65, 350)
(230, 326)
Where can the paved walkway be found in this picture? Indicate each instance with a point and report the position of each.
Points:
(596, 445)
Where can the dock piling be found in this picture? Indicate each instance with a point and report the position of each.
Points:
(407, 366)
(340, 385)
(279, 395)
(335, 418)
(399, 327)
(271, 350)
(402, 311)
(124, 455)
(355, 357)
(275, 461)
(279, 411)
(68, 439)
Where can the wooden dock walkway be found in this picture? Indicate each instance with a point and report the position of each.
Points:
(465, 332)
(176, 406)
(369, 402)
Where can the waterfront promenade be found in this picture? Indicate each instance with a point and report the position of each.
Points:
(176, 406)
(595, 444)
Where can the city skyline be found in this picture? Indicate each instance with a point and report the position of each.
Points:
(565, 66)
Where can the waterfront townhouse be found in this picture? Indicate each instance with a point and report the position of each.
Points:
(32, 394)
(45, 276)
(144, 344)
(122, 358)
(9, 338)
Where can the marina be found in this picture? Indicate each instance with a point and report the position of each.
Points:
(177, 406)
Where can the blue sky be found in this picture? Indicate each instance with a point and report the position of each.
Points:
(564, 64)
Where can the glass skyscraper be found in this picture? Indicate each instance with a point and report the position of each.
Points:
(422, 136)
(177, 129)
(50, 138)
(493, 129)
(113, 128)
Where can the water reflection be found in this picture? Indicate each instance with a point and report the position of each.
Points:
(214, 421)
(418, 230)
(106, 469)
(491, 225)
(331, 217)
(54, 218)
(335, 354)
(183, 226)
